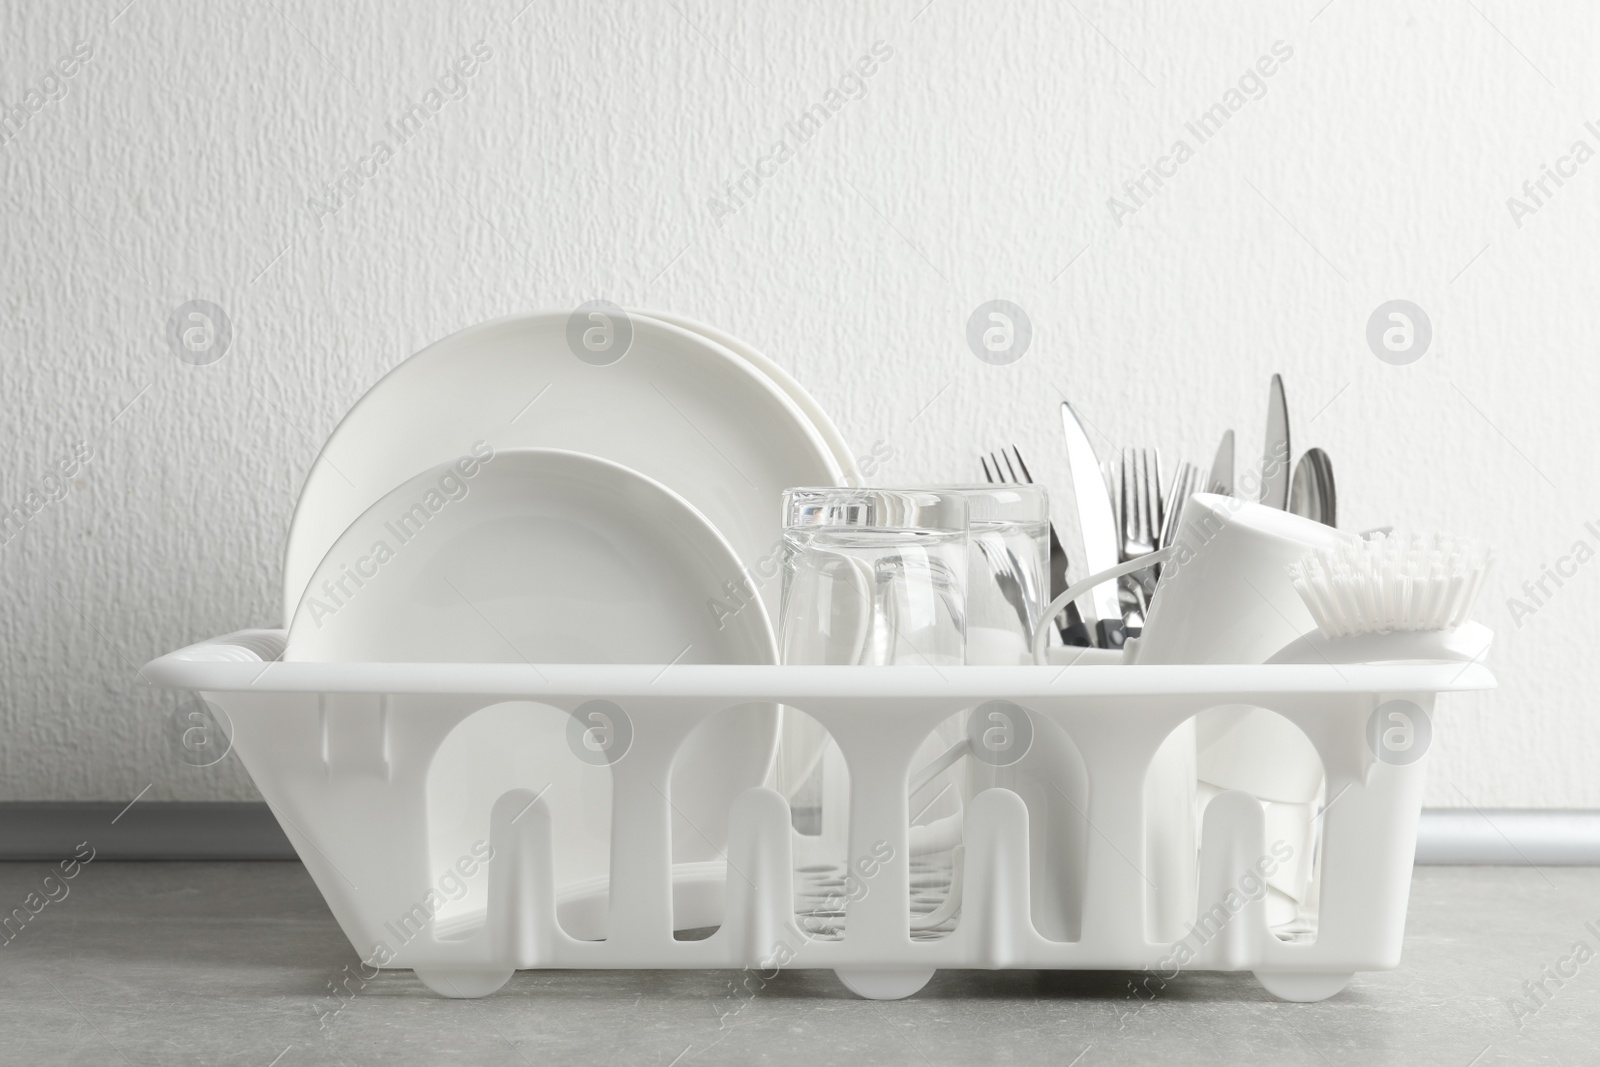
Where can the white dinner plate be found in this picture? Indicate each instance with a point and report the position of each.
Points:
(780, 377)
(549, 557)
(802, 739)
(677, 407)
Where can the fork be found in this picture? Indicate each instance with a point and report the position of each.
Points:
(1140, 512)
(998, 468)
(1185, 483)
(1141, 502)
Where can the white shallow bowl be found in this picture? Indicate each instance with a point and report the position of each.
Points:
(677, 407)
(533, 555)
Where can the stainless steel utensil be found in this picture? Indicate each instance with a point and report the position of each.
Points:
(1141, 502)
(1097, 526)
(1185, 483)
(1275, 455)
(1130, 598)
(998, 467)
(1140, 485)
(1007, 572)
(1221, 481)
(1311, 493)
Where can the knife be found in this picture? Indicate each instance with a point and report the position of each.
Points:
(1221, 481)
(1275, 456)
(1097, 526)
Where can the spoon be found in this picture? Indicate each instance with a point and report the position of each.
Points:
(1311, 493)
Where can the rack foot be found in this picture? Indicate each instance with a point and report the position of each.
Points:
(463, 983)
(885, 985)
(1302, 988)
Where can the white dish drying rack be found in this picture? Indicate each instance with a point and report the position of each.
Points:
(342, 753)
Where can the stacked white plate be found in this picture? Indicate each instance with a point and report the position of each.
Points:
(498, 498)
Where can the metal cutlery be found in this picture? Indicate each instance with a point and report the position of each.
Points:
(1311, 492)
(1130, 598)
(1141, 502)
(998, 467)
(1006, 570)
(1275, 454)
(1221, 481)
(1185, 483)
(1098, 527)
(1142, 513)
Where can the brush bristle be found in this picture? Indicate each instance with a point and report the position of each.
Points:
(1385, 583)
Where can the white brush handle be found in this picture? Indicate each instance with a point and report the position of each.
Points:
(1468, 643)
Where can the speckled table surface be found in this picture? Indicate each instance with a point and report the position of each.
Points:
(230, 963)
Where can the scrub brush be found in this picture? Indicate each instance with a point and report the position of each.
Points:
(1385, 583)
(1389, 597)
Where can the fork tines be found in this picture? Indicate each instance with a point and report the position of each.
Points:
(1141, 503)
(1003, 469)
(1185, 483)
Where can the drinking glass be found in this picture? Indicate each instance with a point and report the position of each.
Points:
(1008, 588)
(874, 577)
(1008, 566)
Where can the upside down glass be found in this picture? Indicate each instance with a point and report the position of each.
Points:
(872, 577)
(1008, 568)
(1008, 590)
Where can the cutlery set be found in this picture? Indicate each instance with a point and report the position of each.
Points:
(633, 638)
(1143, 511)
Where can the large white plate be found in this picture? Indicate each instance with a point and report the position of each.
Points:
(802, 740)
(678, 407)
(547, 557)
(780, 377)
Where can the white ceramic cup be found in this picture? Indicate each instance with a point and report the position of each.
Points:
(1226, 597)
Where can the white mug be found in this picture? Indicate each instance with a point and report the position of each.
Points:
(1225, 597)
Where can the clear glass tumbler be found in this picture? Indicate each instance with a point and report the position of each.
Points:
(1008, 570)
(1007, 589)
(874, 577)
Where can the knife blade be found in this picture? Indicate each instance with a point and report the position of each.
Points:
(1096, 525)
(1275, 455)
(1221, 481)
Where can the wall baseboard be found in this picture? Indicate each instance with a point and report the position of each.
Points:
(147, 830)
(169, 830)
(1509, 837)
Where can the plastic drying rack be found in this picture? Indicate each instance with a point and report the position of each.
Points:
(342, 753)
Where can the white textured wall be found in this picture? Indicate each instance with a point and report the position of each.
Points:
(581, 163)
